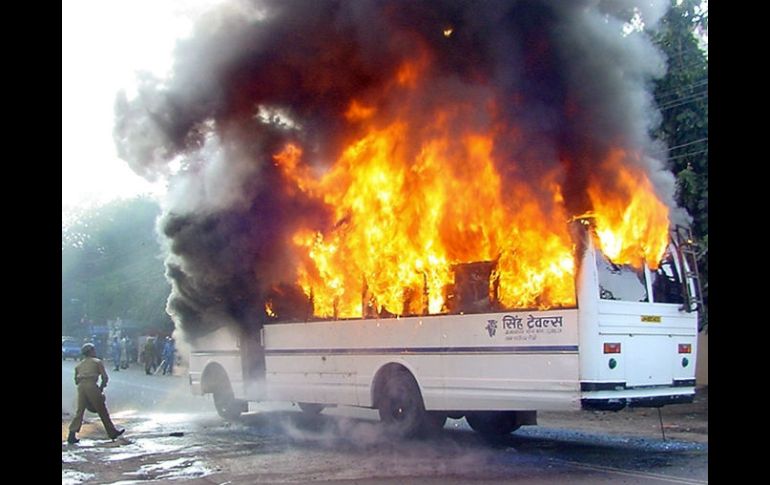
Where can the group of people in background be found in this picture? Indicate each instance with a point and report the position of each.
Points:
(158, 355)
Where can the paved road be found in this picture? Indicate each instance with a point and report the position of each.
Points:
(173, 435)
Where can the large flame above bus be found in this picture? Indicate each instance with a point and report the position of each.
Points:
(412, 198)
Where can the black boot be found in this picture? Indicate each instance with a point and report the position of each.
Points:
(117, 435)
(72, 439)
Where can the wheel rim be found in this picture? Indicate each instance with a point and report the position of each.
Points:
(399, 414)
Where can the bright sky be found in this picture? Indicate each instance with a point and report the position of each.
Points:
(104, 43)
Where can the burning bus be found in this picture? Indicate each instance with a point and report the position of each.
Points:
(629, 338)
(429, 208)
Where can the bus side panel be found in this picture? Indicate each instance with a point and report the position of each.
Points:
(308, 378)
(297, 379)
(540, 382)
(335, 362)
(294, 378)
(517, 360)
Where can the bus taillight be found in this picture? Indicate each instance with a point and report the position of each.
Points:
(611, 348)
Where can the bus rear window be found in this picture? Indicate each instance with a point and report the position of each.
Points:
(666, 283)
(620, 282)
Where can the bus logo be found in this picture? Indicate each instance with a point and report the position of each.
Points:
(491, 327)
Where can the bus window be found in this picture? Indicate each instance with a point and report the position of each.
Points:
(475, 288)
(620, 282)
(666, 284)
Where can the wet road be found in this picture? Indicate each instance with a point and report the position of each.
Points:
(174, 436)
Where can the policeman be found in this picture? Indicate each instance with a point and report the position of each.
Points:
(90, 395)
(148, 354)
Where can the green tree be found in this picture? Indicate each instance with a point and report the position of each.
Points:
(112, 267)
(682, 97)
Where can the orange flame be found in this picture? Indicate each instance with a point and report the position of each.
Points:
(410, 203)
(359, 112)
(631, 223)
(269, 309)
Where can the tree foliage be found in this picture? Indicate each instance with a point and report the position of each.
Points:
(112, 267)
(682, 97)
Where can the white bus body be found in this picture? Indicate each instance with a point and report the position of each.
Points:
(603, 354)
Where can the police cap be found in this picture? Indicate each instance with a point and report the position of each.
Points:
(87, 348)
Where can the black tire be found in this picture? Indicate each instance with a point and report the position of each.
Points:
(493, 424)
(400, 405)
(227, 406)
(311, 409)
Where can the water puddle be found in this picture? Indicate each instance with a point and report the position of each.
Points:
(72, 477)
(172, 469)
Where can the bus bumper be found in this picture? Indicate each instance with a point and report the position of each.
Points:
(616, 396)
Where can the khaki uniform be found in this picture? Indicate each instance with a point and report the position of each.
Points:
(90, 395)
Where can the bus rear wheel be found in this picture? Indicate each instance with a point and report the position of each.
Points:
(493, 424)
(400, 405)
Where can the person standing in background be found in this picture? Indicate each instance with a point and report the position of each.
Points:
(168, 356)
(148, 356)
(115, 353)
(124, 353)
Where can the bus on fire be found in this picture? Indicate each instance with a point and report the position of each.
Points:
(629, 340)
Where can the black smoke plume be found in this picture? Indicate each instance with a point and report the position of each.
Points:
(255, 75)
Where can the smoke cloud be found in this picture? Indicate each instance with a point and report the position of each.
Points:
(256, 75)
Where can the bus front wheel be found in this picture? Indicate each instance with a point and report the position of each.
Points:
(227, 406)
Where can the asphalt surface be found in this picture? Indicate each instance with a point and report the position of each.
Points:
(173, 436)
